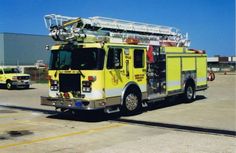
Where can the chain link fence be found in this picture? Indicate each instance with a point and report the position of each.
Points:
(37, 75)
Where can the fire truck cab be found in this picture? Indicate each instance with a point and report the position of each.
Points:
(92, 70)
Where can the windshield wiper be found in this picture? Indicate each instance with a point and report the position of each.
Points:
(81, 73)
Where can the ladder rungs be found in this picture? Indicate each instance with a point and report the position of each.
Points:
(109, 23)
(64, 28)
(133, 26)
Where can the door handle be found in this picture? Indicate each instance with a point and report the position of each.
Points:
(127, 68)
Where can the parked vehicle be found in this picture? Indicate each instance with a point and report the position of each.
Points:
(12, 78)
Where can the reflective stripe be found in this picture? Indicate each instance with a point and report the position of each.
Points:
(118, 91)
(173, 83)
(202, 79)
(95, 94)
(143, 88)
(113, 92)
(98, 94)
(53, 93)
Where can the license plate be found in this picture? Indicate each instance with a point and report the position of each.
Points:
(78, 103)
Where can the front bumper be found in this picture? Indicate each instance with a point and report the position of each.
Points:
(79, 104)
(19, 83)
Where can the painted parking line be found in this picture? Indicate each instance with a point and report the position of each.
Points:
(16, 123)
(20, 124)
(84, 132)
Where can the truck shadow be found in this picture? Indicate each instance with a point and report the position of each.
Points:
(172, 101)
(179, 127)
(85, 116)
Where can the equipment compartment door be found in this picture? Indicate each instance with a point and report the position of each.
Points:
(173, 74)
(201, 71)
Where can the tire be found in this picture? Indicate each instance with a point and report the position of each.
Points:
(189, 92)
(27, 86)
(131, 102)
(9, 85)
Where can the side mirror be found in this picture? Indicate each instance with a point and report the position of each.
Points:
(19, 70)
(47, 47)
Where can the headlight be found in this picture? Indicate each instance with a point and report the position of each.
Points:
(86, 86)
(54, 82)
(14, 78)
(54, 85)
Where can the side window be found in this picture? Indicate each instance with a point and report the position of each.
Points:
(1, 72)
(138, 58)
(114, 59)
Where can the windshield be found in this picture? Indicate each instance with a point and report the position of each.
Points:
(78, 59)
(11, 70)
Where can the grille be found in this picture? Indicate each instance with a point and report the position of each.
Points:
(69, 82)
(23, 77)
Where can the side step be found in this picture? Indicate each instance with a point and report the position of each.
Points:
(110, 110)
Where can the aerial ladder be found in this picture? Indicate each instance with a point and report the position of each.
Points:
(75, 29)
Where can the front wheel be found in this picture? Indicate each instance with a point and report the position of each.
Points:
(131, 102)
(27, 86)
(9, 85)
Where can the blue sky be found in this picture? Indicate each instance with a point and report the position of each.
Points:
(210, 23)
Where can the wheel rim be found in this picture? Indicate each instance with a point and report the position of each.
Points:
(131, 102)
(8, 86)
(189, 92)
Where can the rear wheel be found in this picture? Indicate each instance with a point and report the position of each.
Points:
(131, 102)
(189, 92)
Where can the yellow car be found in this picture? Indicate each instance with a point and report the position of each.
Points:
(12, 78)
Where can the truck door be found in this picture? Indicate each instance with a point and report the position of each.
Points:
(139, 68)
(115, 77)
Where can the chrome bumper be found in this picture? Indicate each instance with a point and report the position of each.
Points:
(79, 104)
(21, 83)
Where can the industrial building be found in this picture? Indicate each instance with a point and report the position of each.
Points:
(23, 49)
(222, 63)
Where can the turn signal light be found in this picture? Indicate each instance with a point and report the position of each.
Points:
(66, 95)
(14, 78)
(133, 41)
(92, 78)
(49, 77)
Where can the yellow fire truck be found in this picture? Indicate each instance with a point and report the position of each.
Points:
(111, 64)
